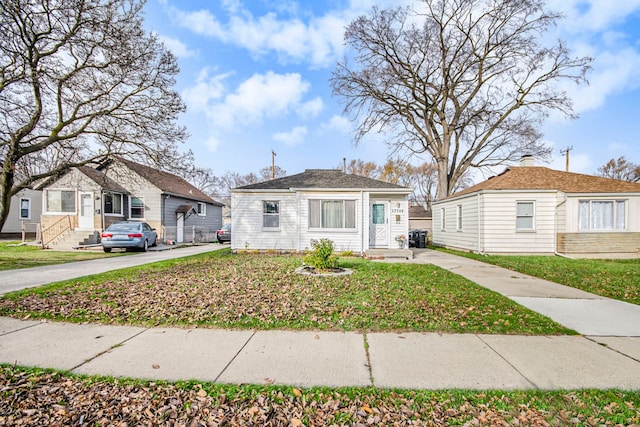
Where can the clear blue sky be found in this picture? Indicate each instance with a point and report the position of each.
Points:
(255, 78)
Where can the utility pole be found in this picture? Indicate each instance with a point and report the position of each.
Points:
(273, 164)
(565, 153)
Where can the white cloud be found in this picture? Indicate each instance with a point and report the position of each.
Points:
(593, 15)
(206, 90)
(294, 137)
(178, 48)
(311, 108)
(260, 96)
(338, 124)
(212, 143)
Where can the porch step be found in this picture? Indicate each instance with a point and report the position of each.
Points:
(74, 238)
(389, 254)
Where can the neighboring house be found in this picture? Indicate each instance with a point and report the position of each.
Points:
(24, 214)
(120, 190)
(420, 219)
(537, 210)
(355, 212)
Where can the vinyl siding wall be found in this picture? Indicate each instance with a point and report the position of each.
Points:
(212, 221)
(13, 225)
(294, 232)
(495, 214)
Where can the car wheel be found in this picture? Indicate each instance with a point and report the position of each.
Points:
(155, 242)
(145, 246)
(107, 250)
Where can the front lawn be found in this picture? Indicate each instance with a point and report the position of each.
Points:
(25, 256)
(618, 279)
(223, 290)
(42, 397)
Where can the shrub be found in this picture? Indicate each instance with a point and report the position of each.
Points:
(322, 256)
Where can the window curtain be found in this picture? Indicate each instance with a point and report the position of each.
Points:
(350, 214)
(314, 214)
(601, 215)
(332, 215)
(583, 215)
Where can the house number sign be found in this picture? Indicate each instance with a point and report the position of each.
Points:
(397, 211)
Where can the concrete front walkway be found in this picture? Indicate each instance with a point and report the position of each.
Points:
(586, 313)
(314, 358)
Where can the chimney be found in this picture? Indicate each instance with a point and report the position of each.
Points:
(527, 160)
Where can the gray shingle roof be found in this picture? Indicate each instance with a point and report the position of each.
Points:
(102, 180)
(323, 178)
(169, 183)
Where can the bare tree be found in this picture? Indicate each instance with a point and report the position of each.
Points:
(267, 173)
(81, 80)
(621, 169)
(466, 81)
(362, 168)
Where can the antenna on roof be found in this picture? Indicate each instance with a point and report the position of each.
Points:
(565, 153)
(344, 165)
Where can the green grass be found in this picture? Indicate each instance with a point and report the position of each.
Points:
(45, 397)
(250, 291)
(617, 279)
(14, 257)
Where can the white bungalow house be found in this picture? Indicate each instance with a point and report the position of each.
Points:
(90, 199)
(355, 212)
(536, 210)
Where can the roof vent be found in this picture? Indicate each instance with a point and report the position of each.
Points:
(527, 160)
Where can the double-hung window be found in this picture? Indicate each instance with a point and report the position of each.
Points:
(137, 207)
(525, 215)
(60, 201)
(602, 215)
(112, 203)
(25, 208)
(202, 209)
(332, 214)
(271, 214)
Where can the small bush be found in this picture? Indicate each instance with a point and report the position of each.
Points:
(322, 256)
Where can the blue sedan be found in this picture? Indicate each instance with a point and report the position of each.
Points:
(129, 235)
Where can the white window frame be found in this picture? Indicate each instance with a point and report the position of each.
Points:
(344, 215)
(59, 212)
(105, 195)
(458, 217)
(266, 215)
(532, 216)
(144, 210)
(443, 221)
(615, 203)
(28, 200)
(201, 209)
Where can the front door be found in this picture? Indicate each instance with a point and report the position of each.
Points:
(85, 217)
(180, 228)
(379, 225)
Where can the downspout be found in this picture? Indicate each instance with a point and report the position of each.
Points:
(362, 239)
(555, 231)
(479, 225)
(298, 225)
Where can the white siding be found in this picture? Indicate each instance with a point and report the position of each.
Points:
(499, 216)
(246, 222)
(294, 232)
(495, 215)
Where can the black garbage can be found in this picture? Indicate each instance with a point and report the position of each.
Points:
(422, 239)
(413, 238)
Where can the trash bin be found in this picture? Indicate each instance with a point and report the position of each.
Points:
(422, 239)
(413, 238)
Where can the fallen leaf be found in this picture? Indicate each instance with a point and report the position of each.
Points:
(295, 422)
(155, 366)
(297, 392)
(269, 380)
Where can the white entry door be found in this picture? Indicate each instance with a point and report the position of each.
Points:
(379, 225)
(85, 217)
(180, 228)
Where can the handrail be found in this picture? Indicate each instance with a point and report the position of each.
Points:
(55, 230)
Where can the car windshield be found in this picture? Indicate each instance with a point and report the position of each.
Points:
(124, 227)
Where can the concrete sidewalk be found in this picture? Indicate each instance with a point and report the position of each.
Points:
(14, 280)
(333, 359)
(586, 313)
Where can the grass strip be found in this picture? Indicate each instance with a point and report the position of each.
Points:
(27, 256)
(44, 397)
